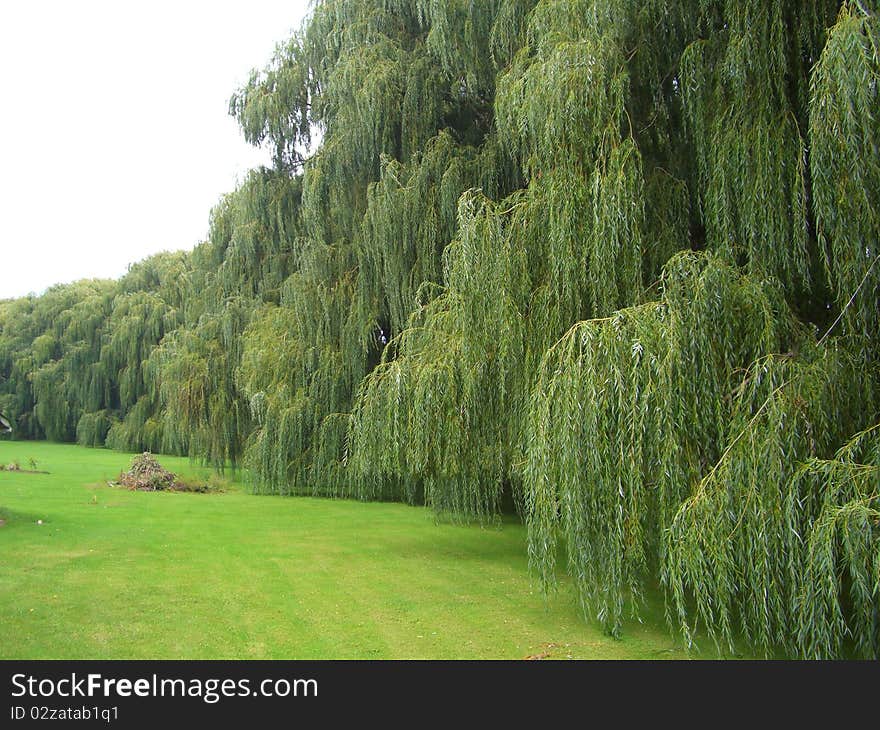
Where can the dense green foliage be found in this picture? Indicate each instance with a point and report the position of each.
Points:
(614, 262)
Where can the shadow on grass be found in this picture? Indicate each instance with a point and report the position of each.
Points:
(10, 519)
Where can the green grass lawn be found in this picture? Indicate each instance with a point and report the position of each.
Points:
(114, 574)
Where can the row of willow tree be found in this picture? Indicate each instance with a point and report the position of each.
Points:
(614, 262)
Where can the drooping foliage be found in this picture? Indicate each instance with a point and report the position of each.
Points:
(840, 555)
(654, 382)
(845, 134)
(253, 244)
(740, 548)
(434, 414)
(612, 263)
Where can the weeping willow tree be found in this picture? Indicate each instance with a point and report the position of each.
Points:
(446, 409)
(78, 371)
(696, 138)
(432, 415)
(191, 372)
(627, 412)
(64, 379)
(181, 397)
(405, 116)
(47, 346)
(300, 407)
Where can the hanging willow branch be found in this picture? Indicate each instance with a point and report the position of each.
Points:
(839, 598)
(845, 131)
(627, 413)
(736, 547)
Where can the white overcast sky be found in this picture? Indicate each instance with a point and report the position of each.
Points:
(115, 141)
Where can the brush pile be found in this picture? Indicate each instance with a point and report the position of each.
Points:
(147, 475)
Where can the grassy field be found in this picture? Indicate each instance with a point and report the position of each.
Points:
(129, 575)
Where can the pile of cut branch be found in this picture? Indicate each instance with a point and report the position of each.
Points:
(147, 475)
